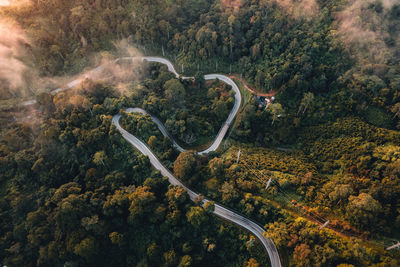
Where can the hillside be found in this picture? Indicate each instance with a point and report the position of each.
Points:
(317, 128)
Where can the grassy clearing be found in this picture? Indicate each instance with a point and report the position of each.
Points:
(246, 95)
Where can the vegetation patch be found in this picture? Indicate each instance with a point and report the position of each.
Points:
(378, 117)
(192, 111)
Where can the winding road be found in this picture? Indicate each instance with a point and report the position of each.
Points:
(219, 210)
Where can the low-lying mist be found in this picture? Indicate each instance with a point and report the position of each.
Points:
(15, 53)
(19, 77)
(120, 73)
(370, 28)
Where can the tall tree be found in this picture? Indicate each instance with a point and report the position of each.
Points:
(306, 101)
(276, 111)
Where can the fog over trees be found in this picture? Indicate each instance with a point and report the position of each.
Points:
(318, 132)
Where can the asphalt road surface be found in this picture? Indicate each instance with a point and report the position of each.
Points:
(219, 210)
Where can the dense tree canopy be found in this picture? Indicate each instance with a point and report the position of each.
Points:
(74, 193)
(329, 143)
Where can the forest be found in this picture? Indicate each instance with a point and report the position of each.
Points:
(72, 189)
(329, 143)
(191, 118)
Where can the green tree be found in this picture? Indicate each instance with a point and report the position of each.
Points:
(100, 157)
(170, 258)
(154, 253)
(363, 210)
(396, 110)
(302, 255)
(216, 166)
(199, 79)
(212, 93)
(152, 141)
(340, 192)
(209, 206)
(306, 101)
(276, 111)
(185, 261)
(116, 238)
(279, 233)
(174, 91)
(220, 109)
(229, 193)
(142, 203)
(177, 196)
(196, 216)
(252, 263)
(185, 165)
(87, 248)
